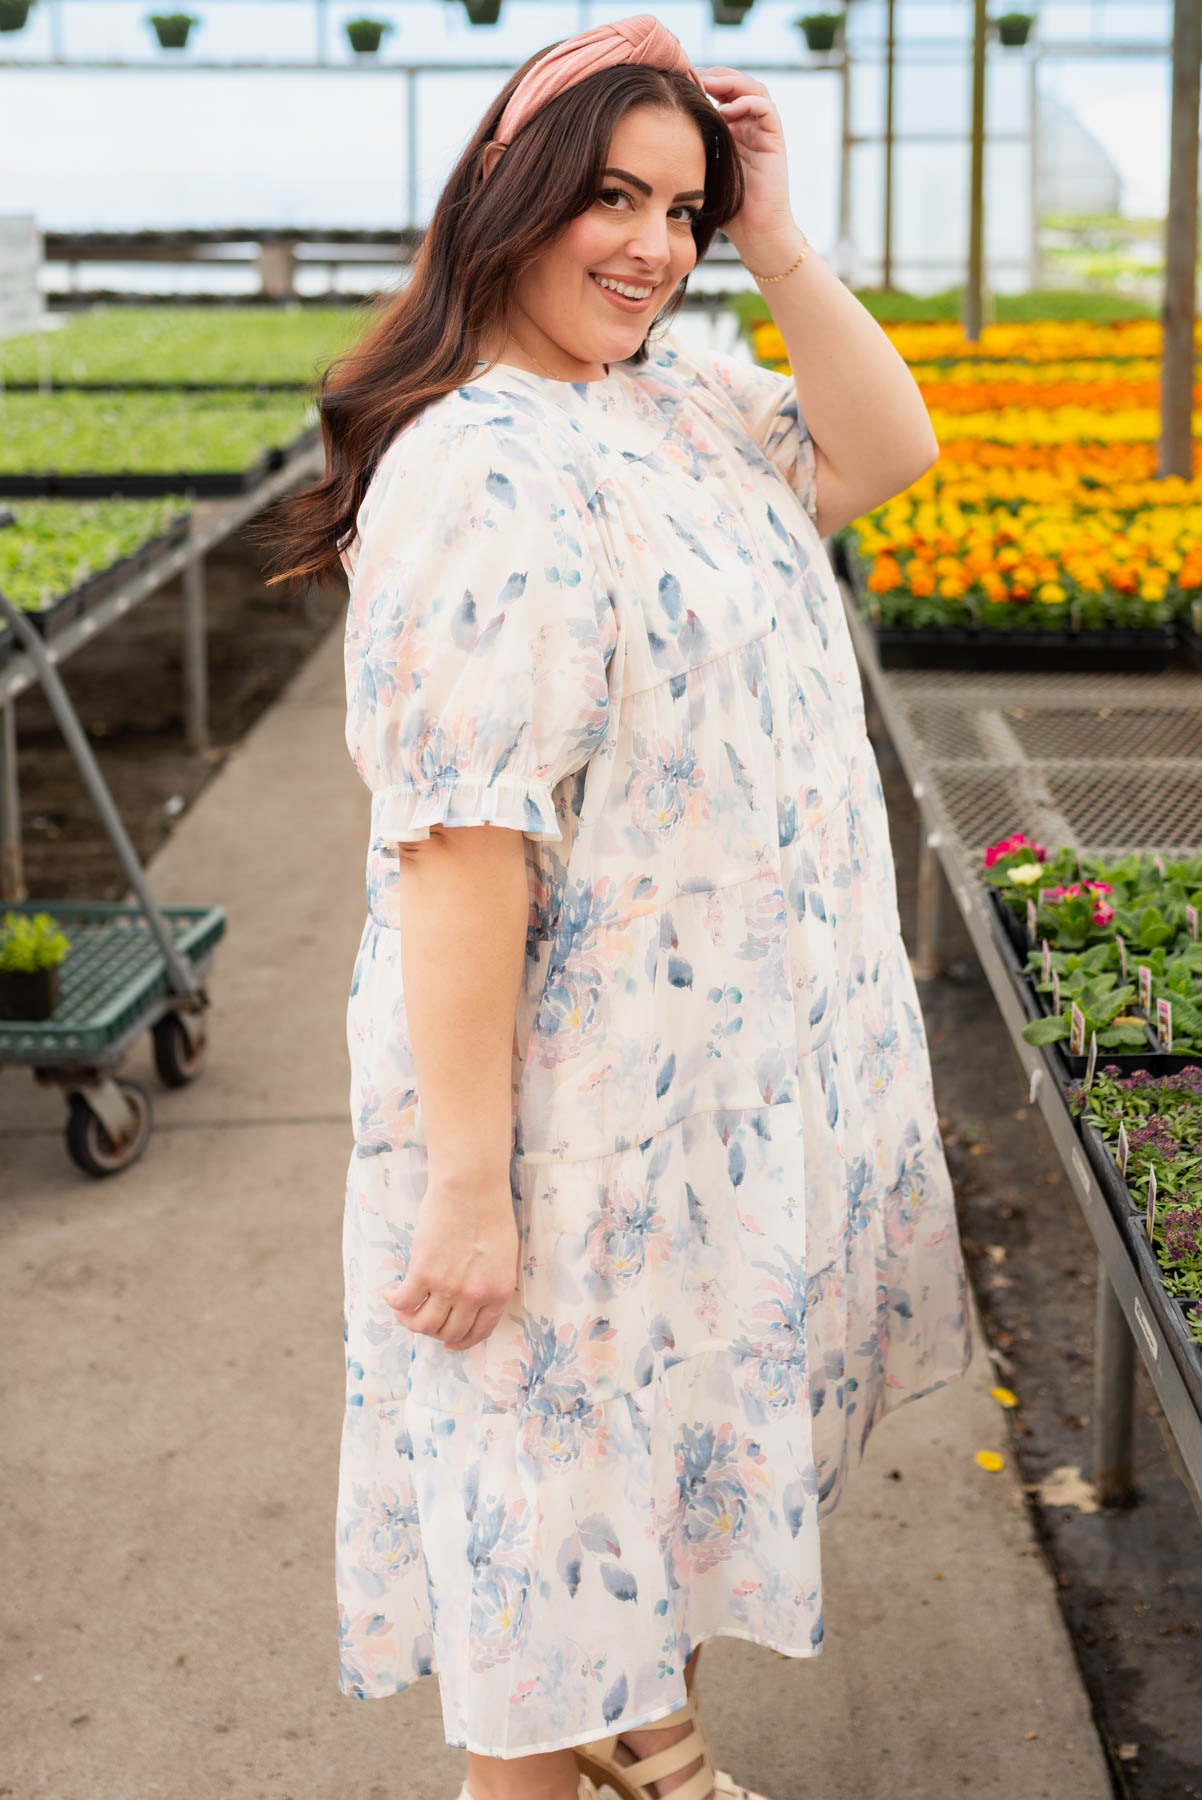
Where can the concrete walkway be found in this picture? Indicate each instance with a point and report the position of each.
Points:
(173, 1369)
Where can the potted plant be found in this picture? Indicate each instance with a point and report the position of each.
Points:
(365, 34)
(730, 12)
(821, 29)
(1015, 27)
(483, 12)
(31, 949)
(14, 14)
(172, 29)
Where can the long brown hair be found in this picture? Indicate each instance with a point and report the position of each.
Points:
(482, 235)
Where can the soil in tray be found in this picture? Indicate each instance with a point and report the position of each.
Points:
(128, 689)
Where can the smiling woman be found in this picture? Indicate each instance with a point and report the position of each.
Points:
(647, 1222)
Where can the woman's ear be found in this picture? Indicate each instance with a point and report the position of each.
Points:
(492, 156)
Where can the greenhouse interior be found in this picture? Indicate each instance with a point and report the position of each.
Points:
(201, 215)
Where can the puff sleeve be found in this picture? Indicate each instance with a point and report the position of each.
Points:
(767, 406)
(479, 633)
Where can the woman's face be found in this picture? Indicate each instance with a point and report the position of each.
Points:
(637, 232)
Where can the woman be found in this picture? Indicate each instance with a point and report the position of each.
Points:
(647, 1219)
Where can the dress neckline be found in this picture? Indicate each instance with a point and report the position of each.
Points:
(602, 381)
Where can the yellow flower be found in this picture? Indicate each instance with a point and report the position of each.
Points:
(990, 1461)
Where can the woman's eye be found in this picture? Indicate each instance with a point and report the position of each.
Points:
(691, 213)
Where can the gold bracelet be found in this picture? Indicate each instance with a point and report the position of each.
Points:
(784, 272)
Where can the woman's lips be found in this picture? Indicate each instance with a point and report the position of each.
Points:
(621, 301)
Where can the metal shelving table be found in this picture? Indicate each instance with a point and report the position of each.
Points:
(212, 521)
(1105, 764)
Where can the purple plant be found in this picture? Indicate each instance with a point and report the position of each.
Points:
(1182, 1234)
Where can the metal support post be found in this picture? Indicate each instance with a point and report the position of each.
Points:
(12, 871)
(1114, 1398)
(196, 654)
(928, 959)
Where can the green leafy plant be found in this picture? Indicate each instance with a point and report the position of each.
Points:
(172, 29)
(213, 345)
(14, 14)
(31, 942)
(820, 29)
(57, 544)
(140, 433)
(1163, 1120)
(1014, 27)
(366, 34)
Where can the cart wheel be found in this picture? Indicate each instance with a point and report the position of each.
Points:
(88, 1143)
(176, 1059)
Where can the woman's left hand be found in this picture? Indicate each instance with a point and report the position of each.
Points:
(745, 104)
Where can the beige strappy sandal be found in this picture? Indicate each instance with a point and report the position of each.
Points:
(632, 1780)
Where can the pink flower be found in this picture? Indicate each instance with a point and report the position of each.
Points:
(1017, 840)
(1100, 887)
(1102, 913)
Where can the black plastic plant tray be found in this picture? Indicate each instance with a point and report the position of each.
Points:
(113, 979)
(1013, 943)
(7, 517)
(302, 441)
(1169, 1313)
(162, 387)
(1189, 642)
(1117, 652)
(119, 486)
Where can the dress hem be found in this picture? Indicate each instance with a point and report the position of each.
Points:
(797, 1652)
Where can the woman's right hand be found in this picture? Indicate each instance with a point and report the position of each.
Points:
(462, 1264)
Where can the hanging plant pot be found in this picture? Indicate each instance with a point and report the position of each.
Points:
(365, 34)
(483, 12)
(821, 29)
(730, 12)
(14, 14)
(172, 29)
(29, 993)
(1014, 28)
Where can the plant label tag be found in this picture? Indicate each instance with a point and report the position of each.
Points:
(1151, 1213)
(1055, 990)
(1092, 1064)
(1158, 864)
(1045, 973)
(1122, 944)
(1191, 922)
(1076, 1031)
(1144, 975)
(1124, 1150)
(1164, 1024)
(1032, 932)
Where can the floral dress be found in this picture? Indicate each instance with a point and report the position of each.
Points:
(600, 614)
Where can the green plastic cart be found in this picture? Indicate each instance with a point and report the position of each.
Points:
(130, 969)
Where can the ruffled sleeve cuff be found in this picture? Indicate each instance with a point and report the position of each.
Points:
(404, 815)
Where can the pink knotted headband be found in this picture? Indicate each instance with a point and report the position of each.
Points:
(641, 39)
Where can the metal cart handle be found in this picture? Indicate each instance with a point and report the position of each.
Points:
(180, 976)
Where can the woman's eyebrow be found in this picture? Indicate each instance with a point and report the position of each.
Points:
(695, 194)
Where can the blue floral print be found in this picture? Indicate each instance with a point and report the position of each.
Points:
(600, 614)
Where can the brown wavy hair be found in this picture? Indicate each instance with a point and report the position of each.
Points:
(426, 338)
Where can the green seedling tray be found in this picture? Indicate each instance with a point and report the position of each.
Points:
(113, 979)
